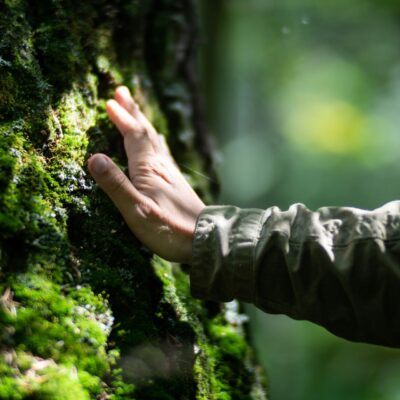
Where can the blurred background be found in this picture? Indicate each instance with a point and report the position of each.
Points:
(304, 100)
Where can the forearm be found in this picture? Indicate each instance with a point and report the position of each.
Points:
(338, 267)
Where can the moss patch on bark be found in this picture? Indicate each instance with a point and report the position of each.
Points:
(85, 310)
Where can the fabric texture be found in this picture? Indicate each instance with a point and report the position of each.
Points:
(338, 266)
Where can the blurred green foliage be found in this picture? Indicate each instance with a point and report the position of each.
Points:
(305, 98)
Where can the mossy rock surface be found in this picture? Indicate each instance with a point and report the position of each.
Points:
(86, 312)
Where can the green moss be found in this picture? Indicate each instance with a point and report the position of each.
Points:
(223, 364)
(7, 95)
(42, 379)
(85, 311)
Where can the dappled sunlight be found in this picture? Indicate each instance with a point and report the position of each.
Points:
(329, 127)
(328, 106)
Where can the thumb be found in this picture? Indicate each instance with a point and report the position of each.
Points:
(116, 184)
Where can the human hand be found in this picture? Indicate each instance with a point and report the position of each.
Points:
(156, 201)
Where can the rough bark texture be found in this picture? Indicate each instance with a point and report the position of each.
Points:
(86, 312)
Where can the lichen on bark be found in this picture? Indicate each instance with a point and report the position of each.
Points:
(85, 310)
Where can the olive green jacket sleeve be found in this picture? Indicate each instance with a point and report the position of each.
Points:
(337, 267)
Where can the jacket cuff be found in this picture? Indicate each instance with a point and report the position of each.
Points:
(224, 243)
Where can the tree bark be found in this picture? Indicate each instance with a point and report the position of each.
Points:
(85, 310)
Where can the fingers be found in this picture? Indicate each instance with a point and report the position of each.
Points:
(123, 120)
(117, 186)
(136, 140)
(125, 100)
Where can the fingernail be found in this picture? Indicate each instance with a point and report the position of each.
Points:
(98, 164)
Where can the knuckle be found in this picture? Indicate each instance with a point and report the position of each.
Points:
(144, 168)
(144, 210)
(142, 183)
(138, 131)
(147, 166)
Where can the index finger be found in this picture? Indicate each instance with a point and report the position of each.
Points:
(136, 139)
(124, 98)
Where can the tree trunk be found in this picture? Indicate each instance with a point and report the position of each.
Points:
(86, 311)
